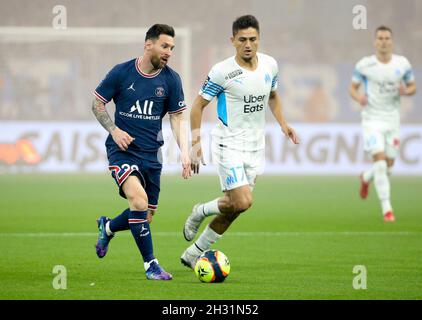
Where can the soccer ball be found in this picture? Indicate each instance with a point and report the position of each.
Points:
(212, 266)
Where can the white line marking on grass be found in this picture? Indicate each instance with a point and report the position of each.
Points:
(327, 233)
(230, 234)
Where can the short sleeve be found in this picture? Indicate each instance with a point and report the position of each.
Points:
(107, 88)
(408, 76)
(176, 102)
(274, 80)
(213, 85)
(358, 76)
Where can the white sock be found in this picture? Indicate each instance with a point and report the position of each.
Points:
(108, 230)
(194, 250)
(382, 184)
(368, 175)
(209, 208)
(147, 264)
(206, 239)
(386, 206)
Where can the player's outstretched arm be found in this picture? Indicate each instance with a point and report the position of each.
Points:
(275, 106)
(122, 138)
(180, 132)
(195, 124)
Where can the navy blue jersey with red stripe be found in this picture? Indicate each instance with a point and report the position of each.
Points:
(141, 101)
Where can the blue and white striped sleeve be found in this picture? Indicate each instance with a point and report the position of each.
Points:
(358, 76)
(274, 79)
(274, 83)
(213, 85)
(408, 76)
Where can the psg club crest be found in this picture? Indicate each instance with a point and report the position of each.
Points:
(159, 92)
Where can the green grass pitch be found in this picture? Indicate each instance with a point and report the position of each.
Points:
(300, 240)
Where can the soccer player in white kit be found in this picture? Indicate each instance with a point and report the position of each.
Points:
(386, 77)
(245, 85)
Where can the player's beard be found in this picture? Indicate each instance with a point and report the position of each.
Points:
(156, 62)
(247, 59)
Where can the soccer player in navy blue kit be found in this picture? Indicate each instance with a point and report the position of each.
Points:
(144, 90)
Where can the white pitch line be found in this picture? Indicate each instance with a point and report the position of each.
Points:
(230, 234)
(328, 233)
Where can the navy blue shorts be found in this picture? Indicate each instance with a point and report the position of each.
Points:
(123, 164)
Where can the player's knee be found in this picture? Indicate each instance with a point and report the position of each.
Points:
(138, 202)
(243, 204)
(379, 156)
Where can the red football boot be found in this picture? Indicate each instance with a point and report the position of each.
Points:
(389, 217)
(364, 187)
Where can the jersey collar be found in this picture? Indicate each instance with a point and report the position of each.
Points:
(145, 75)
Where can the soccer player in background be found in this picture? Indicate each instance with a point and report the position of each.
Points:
(144, 90)
(386, 77)
(245, 85)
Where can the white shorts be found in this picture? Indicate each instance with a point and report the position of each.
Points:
(381, 137)
(237, 168)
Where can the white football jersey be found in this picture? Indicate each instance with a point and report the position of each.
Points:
(382, 82)
(242, 101)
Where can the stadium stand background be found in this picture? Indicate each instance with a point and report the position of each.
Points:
(314, 43)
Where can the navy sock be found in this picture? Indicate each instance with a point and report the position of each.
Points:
(139, 226)
(120, 223)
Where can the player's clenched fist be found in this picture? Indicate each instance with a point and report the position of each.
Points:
(122, 138)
